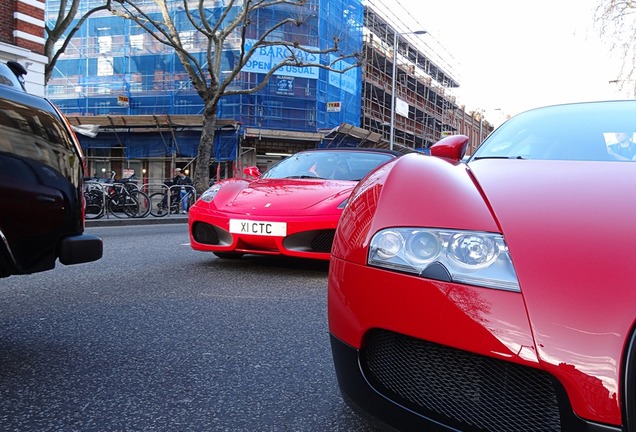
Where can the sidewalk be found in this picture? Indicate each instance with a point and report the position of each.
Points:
(110, 220)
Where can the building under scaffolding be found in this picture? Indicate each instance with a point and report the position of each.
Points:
(425, 108)
(117, 77)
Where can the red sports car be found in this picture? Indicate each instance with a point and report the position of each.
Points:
(495, 292)
(291, 209)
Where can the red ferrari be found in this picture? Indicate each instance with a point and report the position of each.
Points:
(291, 209)
(495, 292)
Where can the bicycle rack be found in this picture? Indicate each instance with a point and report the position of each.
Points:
(145, 187)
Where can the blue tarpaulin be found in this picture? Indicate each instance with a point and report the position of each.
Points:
(225, 145)
(184, 144)
(146, 145)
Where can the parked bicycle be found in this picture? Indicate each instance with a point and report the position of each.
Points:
(122, 198)
(171, 201)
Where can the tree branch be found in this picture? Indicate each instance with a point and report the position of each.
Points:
(58, 30)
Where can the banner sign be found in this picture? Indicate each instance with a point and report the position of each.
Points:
(334, 106)
(122, 100)
(285, 85)
(265, 58)
(401, 107)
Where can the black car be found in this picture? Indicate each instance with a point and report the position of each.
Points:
(41, 167)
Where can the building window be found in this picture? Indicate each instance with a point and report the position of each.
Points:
(104, 44)
(187, 39)
(104, 66)
(137, 41)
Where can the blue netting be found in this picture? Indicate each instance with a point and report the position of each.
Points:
(146, 145)
(225, 145)
(185, 144)
(110, 57)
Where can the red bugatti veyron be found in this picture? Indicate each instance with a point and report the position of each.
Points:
(495, 292)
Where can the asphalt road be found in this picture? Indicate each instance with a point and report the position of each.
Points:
(157, 337)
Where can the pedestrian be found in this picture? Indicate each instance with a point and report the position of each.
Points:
(186, 186)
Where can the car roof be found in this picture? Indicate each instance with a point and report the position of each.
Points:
(19, 96)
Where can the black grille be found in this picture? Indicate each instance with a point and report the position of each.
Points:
(323, 241)
(205, 233)
(458, 388)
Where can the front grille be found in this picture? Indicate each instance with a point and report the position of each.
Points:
(205, 233)
(310, 241)
(323, 241)
(458, 388)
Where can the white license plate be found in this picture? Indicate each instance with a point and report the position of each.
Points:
(250, 227)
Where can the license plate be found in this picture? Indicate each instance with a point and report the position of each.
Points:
(250, 227)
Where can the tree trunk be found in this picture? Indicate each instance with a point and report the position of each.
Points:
(202, 170)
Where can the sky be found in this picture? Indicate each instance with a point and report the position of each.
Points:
(513, 55)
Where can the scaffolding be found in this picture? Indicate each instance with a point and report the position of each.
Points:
(113, 69)
(115, 74)
(425, 109)
(112, 66)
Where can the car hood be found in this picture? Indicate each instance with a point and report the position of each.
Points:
(557, 213)
(292, 196)
(570, 229)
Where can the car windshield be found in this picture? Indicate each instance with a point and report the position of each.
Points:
(333, 165)
(597, 131)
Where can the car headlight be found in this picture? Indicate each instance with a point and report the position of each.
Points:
(467, 257)
(209, 194)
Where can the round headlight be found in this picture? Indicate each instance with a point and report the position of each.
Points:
(423, 247)
(472, 250)
(388, 244)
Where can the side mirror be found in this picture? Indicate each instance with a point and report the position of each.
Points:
(19, 71)
(452, 147)
(252, 171)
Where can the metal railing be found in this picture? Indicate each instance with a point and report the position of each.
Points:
(125, 199)
(173, 199)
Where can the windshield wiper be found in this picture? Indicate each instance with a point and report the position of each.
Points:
(304, 176)
(498, 157)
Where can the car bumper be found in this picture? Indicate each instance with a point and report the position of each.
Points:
(307, 237)
(71, 249)
(380, 406)
(80, 248)
(424, 355)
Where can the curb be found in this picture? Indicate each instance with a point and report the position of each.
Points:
(148, 220)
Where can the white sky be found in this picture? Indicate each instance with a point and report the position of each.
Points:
(512, 55)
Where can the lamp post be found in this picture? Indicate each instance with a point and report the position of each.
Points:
(394, 72)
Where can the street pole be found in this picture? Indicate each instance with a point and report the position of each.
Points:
(393, 73)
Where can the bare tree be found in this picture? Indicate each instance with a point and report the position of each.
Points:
(616, 20)
(64, 28)
(230, 26)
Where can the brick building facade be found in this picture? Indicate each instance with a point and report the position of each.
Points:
(22, 39)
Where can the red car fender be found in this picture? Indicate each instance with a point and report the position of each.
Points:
(421, 187)
(229, 189)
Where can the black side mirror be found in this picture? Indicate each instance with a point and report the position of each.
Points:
(19, 71)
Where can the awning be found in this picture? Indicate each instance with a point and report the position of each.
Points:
(282, 134)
